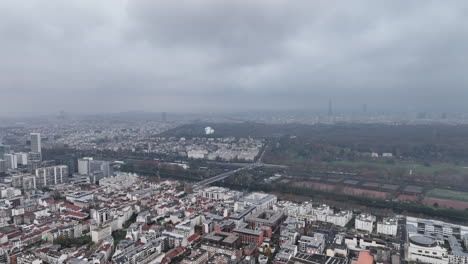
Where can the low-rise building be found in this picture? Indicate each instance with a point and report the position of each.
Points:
(365, 222)
(312, 245)
(389, 226)
(427, 249)
(341, 218)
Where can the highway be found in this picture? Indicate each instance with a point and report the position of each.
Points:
(225, 175)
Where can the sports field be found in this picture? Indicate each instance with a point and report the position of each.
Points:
(448, 194)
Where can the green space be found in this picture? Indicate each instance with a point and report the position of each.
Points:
(407, 166)
(69, 242)
(448, 194)
(118, 236)
(382, 164)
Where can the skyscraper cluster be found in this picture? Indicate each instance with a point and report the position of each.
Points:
(11, 161)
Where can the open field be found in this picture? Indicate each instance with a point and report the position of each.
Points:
(448, 195)
(407, 166)
(340, 189)
(459, 205)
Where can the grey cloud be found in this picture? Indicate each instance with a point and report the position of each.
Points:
(117, 55)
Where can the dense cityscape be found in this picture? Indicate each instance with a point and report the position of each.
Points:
(83, 209)
(233, 132)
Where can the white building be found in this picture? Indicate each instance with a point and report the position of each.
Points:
(51, 175)
(426, 249)
(312, 245)
(36, 143)
(389, 226)
(22, 158)
(120, 181)
(435, 227)
(219, 193)
(99, 233)
(84, 165)
(11, 161)
(259, 200)
(341, 218)
(456, 255)
(365, 222)
(197, 154)
(9, 192)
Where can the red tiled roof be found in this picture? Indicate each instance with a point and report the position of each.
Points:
(139, 243)
(364, 258)
(71, 207)
(75, 214)
(193, 237)
(105, 247)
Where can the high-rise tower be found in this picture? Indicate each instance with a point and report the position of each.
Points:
(330, 111)
(36, 142)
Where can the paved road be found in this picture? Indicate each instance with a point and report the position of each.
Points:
(226, 175)
(402, 237)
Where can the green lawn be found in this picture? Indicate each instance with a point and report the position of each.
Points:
(118, 235)
(448, 194)
(417, 168)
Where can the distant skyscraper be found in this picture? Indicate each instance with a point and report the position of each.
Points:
(68, 159)
(36, 142)
(11, 161)
(164, 117)
(84, 165)
(330, 111)
(3, 165)
(62, 116)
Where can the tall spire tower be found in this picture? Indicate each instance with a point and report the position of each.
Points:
(330, 111)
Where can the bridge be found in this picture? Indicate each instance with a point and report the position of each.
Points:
(225, 175)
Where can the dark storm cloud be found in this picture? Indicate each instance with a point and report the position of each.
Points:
(116, 55)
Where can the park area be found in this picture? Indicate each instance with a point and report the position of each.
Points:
(447, 199)
(448, 195)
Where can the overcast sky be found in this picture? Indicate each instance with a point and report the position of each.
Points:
(196, 55)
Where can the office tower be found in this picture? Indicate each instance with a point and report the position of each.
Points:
(84, 165)
(68, 159)
(164, 117)
(4, 150)
(33, 165)
(3, 166)
(22, 158)
(34, 156)
(106, 169)
(11, 161)
(103, 168)
(96, 176)
(36, 142)
(51, 175)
